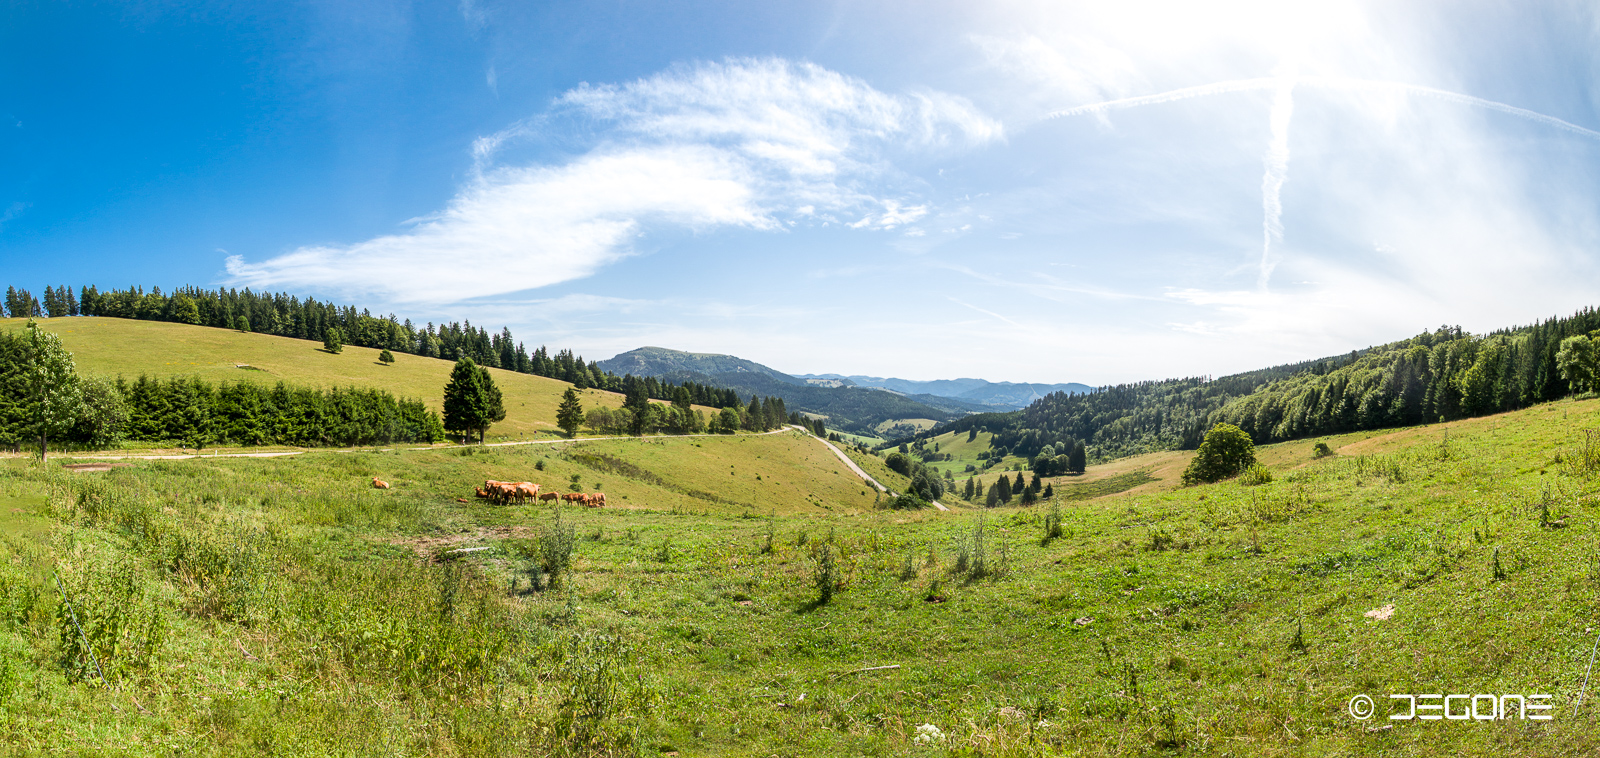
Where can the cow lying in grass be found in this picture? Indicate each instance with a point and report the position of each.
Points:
(379, 483)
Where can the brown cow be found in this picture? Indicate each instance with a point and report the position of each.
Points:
(598, 500)
(379, 483)
(548, 496)
(573, 497)
(500, 493)
(527, 490)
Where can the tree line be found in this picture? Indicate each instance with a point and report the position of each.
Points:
(1443, 374)
(285, 315)
(43, 398)
(639, 416)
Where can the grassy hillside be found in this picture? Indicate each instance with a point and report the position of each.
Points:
(113, 346)
(284, 607)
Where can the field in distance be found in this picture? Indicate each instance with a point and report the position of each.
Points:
(128, 348)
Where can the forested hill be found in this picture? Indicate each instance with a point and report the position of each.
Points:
(659, 361)
(286, 315)
(1443, 374)
(847, 408)
(977, 393)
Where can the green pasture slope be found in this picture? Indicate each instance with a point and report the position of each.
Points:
(126, 347)
(283, 607)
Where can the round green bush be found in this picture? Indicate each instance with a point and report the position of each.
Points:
(1226, 451)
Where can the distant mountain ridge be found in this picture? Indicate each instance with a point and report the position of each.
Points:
(1010, 395)
(657, 361)
(847, 408)
(853, 402)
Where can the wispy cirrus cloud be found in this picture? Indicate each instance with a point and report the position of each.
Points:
(750, 143)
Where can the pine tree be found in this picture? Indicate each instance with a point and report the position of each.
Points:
(1079, 460)
(569, 416)
(386, 357)
(494, 407)
(1019, 485)
(636, 400)
(72, 302)
(466, 400)
(333, 341)
(971, 489)
(1003, 489)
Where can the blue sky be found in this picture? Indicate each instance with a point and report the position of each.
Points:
(1018, 191)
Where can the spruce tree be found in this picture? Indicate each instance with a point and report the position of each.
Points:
(1003, 489)
(494, 407)
(1078, 462)
(333, 341)
(569, 416)
(466, 400)
(636, 401)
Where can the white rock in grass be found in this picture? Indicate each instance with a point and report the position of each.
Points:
(1380, 614)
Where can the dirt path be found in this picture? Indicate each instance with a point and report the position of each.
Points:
(282, 453)
(861, 473)
(836, 451)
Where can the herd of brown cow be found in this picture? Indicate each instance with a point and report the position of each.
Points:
(504, 493)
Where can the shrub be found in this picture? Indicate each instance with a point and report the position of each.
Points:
(907, 501)
(898, 463)
(1256, 474)
(1052, 522)
(1226, 451)
(555, 547)
(1321, 450)
(826, 574)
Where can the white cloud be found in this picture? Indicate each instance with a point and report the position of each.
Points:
(754, 144)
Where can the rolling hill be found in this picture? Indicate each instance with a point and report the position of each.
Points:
(980, 394)
(128, 348)
(848, 408)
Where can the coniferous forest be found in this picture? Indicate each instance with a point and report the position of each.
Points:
(286, 315)
(1440, 375)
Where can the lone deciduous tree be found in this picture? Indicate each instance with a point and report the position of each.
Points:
(42, 373)
(1226, 451)
(1579, 362)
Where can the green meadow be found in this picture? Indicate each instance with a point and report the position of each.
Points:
(284, 607)
(127, 347)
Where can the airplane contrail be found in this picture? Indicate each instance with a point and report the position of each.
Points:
(1324, 82)
(1277, 158)
(1277, 172)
